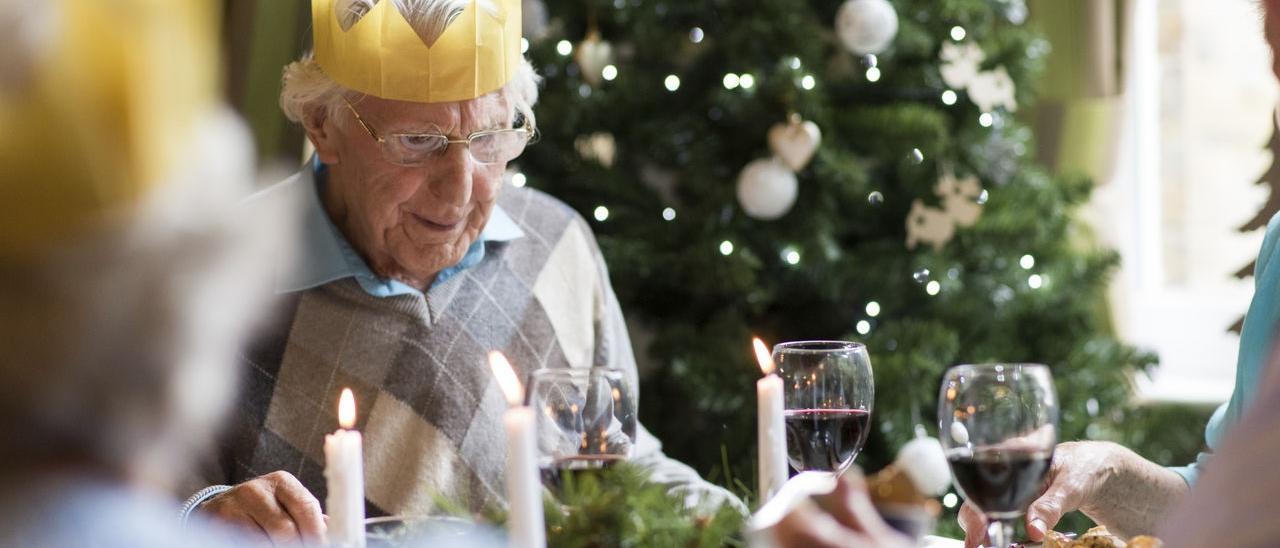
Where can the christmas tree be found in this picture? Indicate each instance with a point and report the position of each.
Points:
(821, 170)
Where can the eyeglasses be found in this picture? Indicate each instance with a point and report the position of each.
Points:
(415, 149)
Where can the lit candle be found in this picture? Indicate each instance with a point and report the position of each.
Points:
(344, 470)
(770, 430)
(524, 490)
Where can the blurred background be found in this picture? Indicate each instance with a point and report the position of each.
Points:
(1121, 173)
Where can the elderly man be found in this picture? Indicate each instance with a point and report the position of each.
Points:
(128, 274)
(415, 263)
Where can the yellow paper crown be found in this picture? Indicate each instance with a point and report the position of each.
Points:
(111, 96)
(381, 55)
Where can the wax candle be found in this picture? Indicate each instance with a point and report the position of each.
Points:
(770, 430)
(344, 470)
(525, 524)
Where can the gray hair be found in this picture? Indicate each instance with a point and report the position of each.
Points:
(307, 88)
(119, 345)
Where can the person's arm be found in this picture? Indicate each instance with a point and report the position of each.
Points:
(1112, 485)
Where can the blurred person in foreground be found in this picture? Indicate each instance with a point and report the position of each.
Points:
(126, 277)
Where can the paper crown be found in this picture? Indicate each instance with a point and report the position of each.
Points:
(382, 55)
(105, 103)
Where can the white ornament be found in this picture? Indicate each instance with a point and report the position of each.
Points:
(924, 461)
(592, 55)
(960, 63)
(795, 141)
(533, 19)
(928, 225)
(767, 189)
(959, 434)
(993, 88)
(600, 147)
(960, 198)
(866, 27)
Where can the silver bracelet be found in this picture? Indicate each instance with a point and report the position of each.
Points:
(199, 498)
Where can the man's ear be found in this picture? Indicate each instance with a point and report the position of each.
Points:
(320, 127)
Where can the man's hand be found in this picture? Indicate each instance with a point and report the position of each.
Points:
(275, 505)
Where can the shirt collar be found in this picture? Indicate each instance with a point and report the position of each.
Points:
(327, 256)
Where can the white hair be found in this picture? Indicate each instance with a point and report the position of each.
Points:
(119, 344)
(308, 91)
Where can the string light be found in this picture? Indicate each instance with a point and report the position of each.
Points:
(564, 48)
(1027, 262)
(791, 256)
(864, 327)
(933, 287)
(609, 72)
(917, 156)
(731, 81)
(672, 82)
(747, 81)
(1035, 281)
(696, 35)
(873, 74)
(726, 248)
(524, 45)
(668, 214)
(518, 179)
(601, 213)
(986, 119)
(950, 500)
(794, 63)
(949, 97)
(873, 309)
(958, 33)
(808, 82)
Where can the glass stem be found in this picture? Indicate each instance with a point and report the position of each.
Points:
(999, 531)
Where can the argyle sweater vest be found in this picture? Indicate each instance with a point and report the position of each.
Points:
(428, 407)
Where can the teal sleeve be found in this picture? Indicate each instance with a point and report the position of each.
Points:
(1255, 346)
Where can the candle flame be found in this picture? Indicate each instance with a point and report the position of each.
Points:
(506, 376)
(762, 356)
(347, 409)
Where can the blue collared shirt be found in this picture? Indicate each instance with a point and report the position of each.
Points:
(326, 255)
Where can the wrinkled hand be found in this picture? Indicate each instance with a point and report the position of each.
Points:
(1078, 473)
(847, 519)
(275, 505)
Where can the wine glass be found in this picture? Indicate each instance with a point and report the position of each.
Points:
(999, 425)
(586, 420)
(827, 394)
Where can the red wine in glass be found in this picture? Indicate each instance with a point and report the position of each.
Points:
(1000, 481)
(825, 440)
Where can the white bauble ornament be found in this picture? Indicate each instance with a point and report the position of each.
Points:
(960, 63)
(795, 141)
(928, 225)
(767, 189)
(592, 55)
(866, 27)
(993, 88)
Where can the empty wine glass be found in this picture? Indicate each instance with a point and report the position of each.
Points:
(586, 420)
(828, 391)
(999, 424)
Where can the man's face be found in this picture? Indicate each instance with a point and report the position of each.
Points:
(410, 222)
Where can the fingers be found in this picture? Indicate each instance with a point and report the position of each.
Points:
(856, 511)
(275, 505)
(973, 524)
(301, 506)
(1045, 512)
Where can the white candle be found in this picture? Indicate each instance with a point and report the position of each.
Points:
(525, 524)
(344, 470)
(770, 429)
